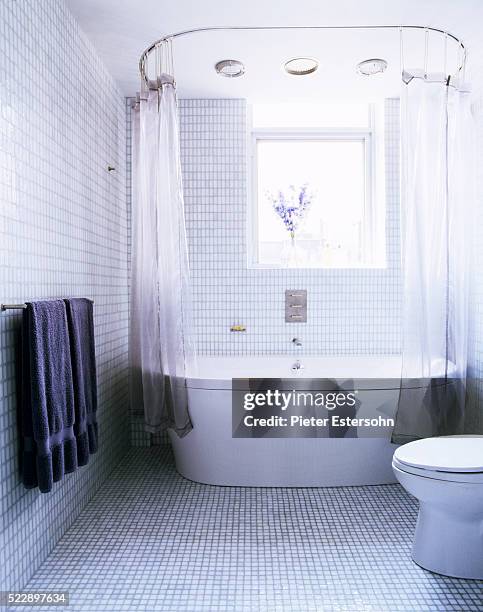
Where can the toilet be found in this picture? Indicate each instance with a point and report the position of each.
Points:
(446, 475)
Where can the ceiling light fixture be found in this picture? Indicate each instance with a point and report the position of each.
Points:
(301, 66)
(230, 68)
(371, 66)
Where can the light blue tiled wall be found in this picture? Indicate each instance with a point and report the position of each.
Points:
(350, 311)
(63, 231)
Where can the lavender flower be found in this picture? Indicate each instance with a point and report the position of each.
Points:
(291, 206)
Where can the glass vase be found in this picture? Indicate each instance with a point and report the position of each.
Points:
(289, 253)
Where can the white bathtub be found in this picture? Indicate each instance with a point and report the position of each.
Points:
(209, 454)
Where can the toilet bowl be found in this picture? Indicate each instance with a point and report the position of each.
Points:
(446, 475)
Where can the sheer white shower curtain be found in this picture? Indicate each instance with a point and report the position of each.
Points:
(437, 211)
(162, 350)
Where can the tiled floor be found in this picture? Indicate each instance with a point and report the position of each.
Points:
(151, 540)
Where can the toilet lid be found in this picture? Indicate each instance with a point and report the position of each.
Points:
(445, 454)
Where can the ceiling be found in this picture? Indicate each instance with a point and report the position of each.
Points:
(121, 29)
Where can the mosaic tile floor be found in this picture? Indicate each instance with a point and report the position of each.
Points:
(152, 541)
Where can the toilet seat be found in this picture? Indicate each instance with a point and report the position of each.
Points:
(467, 477)
(449, 458)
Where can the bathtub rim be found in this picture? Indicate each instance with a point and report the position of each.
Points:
(389, 364)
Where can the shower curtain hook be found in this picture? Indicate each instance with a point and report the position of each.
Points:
(463, 64)
(171, 62)
(159, 63)
(144, 75)
(445, 54)
(401, 50)
(426, 47)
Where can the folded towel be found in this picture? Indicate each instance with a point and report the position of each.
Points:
(47, 400)
(82, 348)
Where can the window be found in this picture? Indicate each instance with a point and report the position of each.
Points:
(314, 196)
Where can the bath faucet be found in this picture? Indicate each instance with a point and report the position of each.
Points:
(297, 366)
(296, 342)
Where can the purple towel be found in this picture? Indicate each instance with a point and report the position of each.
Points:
(47, 396)
(82, 348)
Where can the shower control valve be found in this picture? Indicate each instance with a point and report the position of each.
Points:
(296, 306)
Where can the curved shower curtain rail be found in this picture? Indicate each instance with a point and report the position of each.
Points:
(170, 37)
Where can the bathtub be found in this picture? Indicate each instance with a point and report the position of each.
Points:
(209, 454)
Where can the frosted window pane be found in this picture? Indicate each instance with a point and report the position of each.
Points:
(333, 171)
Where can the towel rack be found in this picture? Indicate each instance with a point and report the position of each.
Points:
(4, 307)
(12, 306)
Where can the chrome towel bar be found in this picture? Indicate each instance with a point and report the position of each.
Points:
(12, 306)
(4, 307)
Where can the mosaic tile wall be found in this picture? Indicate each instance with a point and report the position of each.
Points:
(474, 415)
(350, 311)
(63, 232)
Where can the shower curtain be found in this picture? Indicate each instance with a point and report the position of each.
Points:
(437, 210)
(161, 351)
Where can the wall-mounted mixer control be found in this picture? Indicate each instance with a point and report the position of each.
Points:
(296, 306)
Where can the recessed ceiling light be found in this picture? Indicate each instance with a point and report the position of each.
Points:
(230, 68)
(371, 66)
(300, 66)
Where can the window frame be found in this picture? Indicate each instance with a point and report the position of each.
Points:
(366, 135)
